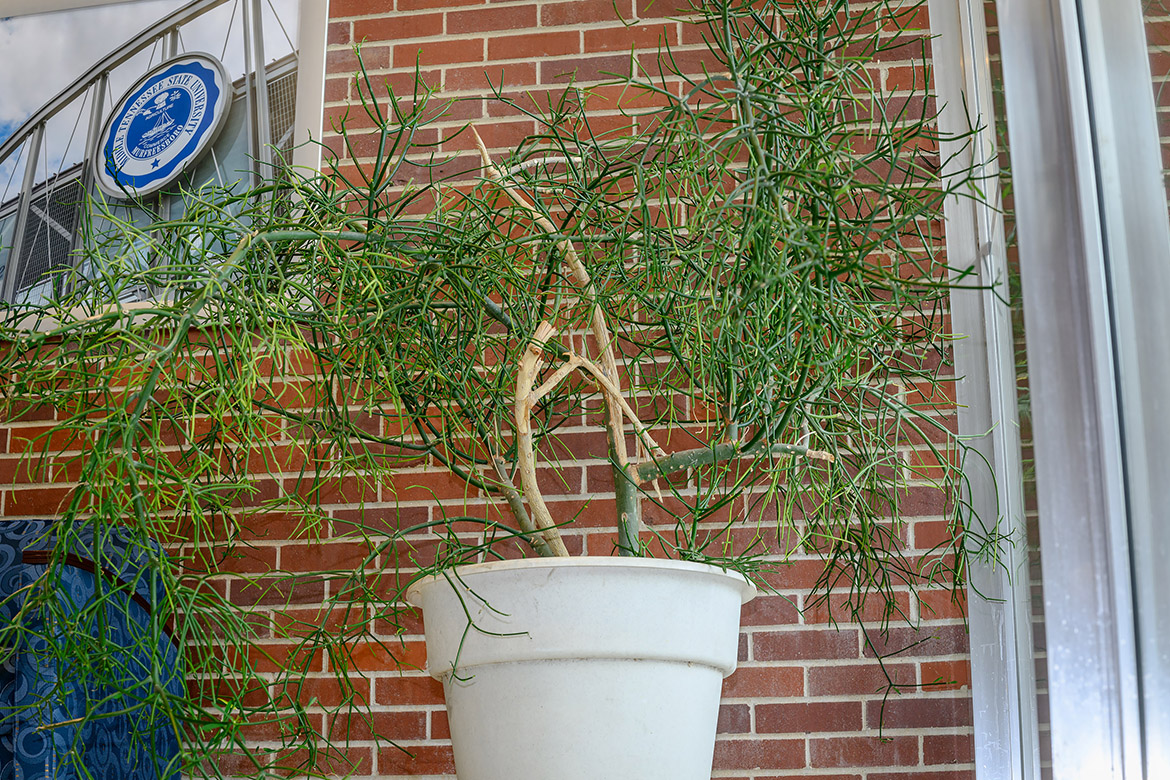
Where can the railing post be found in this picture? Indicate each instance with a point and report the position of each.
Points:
(96, 110)
(30, 174)
(263, 123)
(256, 97)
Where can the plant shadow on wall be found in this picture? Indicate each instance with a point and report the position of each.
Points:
(742, 290)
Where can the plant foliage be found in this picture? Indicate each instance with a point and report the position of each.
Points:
(760, 242)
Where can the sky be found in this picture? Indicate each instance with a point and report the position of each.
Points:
(41, 55)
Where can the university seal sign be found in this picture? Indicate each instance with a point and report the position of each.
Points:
(162, 125)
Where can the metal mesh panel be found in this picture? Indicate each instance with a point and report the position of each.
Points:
(48, 233)
(282, 107)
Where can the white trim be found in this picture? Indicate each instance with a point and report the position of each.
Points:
(1003, 684)
(1131, 198)
(1076, 419)
(311, 39)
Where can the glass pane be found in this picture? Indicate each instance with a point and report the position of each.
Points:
(7, 234)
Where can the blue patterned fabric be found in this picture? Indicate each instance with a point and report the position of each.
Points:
(15, 536)
(119, 738)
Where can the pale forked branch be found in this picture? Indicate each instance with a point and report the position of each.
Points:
(597, 324)
(611, 391)
(529, 369)
(526, 374)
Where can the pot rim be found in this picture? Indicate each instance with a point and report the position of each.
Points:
(748, 590)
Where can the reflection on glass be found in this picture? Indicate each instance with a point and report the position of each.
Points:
(7, 234)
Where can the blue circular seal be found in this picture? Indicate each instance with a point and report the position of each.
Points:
(162, 125)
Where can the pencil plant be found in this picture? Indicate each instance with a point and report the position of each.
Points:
(741, 288)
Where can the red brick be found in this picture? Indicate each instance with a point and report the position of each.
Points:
(799, 645)
(336, 90)
(342, 8)
(242, 559)
(382, 520)
(398, 27)
(656, 64)
(910, 77)
(415, 5)
(585, 12)
(346, 490)
(381, 725)
(428, 486)
(908, 19)
(943, 604)
(241, 764)
(916, 712)
(512, 17)
(549, 44)
(345, 61)
(838, 609)
(27, 470)
(910, 642)
(649, 9)
(795, 575)
(929, 534)
(910, 50)
(27, 411)
(416, 760)
(863, 751)
(946, 675)
(440, 725)
(478, 77)
(328, 691)
(497, 135)
(304, 557)
(769, 611)
(339, 33)
(273, 657)
(627, 38)
(438, 53)
(759, 754)
(46, 502)
(621, 96)
(750, 682)
(372, 656)
(956, 774)
(735, 719)
(408, 690)
(948, 749)
(808, 717)
(272, 591)
(347, 760)
(257, 525)
(846, 679)
(584, 69)
(35, 439)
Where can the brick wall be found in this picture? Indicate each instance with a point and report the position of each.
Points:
(809, 695)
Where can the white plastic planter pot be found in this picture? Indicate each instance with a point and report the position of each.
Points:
(582, 668)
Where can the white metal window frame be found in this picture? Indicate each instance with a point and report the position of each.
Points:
(1095, 262)
(1003, 685)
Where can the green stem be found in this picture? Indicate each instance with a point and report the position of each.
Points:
(705, 456)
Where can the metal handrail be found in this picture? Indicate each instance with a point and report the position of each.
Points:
(124, 52)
